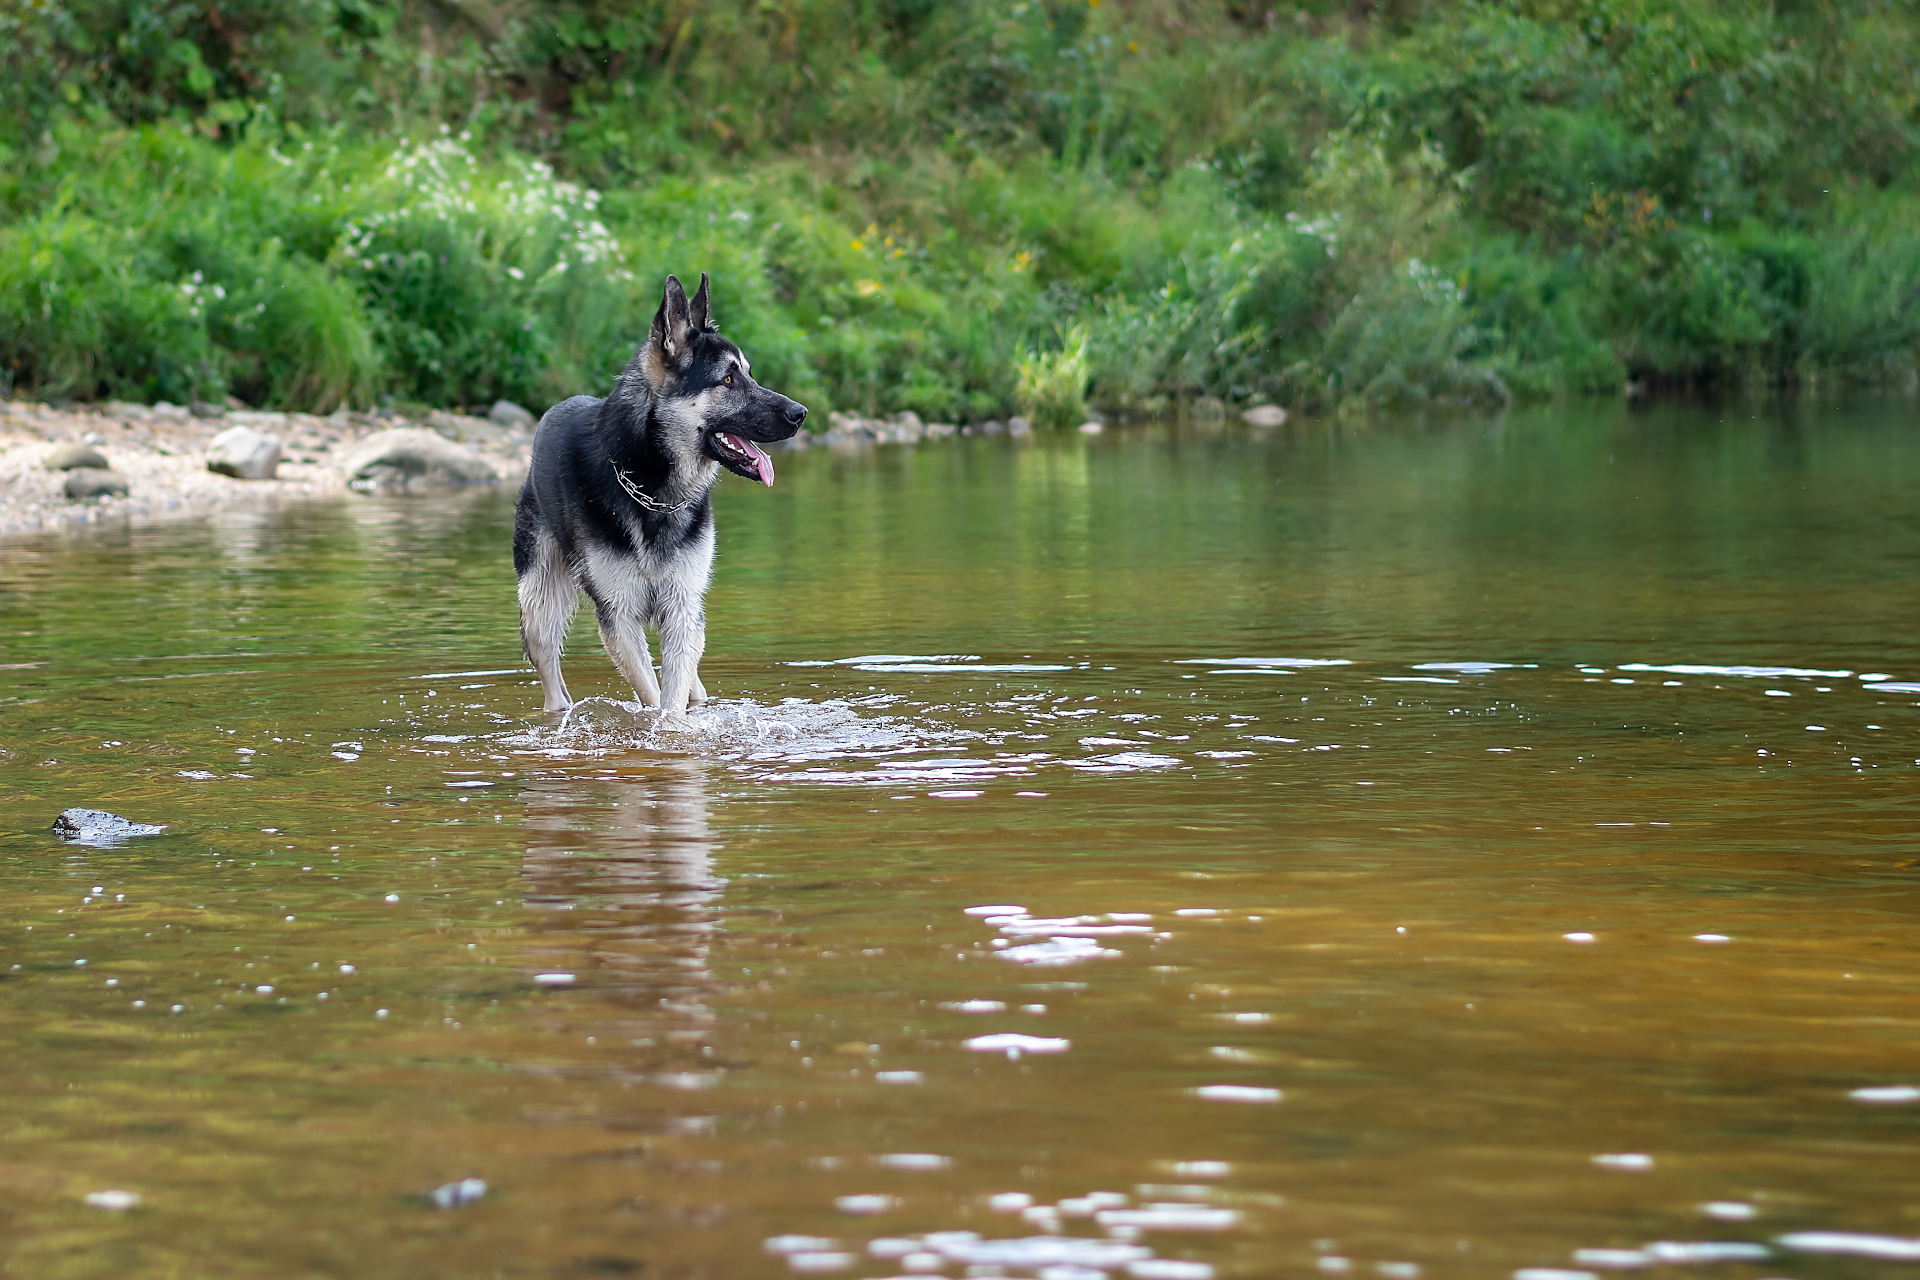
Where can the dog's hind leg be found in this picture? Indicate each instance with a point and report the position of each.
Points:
(626, 642)
(548, 597)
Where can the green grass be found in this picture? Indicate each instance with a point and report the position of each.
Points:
(961, 209)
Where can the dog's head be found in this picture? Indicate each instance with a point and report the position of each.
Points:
(704, 390)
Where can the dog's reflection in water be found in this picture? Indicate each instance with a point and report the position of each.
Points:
(620, 873)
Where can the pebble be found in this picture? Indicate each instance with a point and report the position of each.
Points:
(455, 1195)
(116, 1201)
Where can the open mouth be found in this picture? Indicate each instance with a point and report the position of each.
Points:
(744, 457)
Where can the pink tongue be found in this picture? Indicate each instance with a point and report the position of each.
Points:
(761, 462)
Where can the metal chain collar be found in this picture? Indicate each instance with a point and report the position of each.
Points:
(653, 504)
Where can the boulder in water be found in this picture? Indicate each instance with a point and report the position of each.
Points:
(1263, 415)
(66, 457)
(100, 829)
(244, 453)
(93, 482)
(409, 457)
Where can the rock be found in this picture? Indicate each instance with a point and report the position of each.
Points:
(1263, 415)
(465, 428)
(1018, 426)
(99, 829)
(1092, 428)
(1209, 408)
(244, 453)
(909, 424)
(456, 1194)
(410, 457)
(506, 413)
(93, 482)
(992, 427)
(66, 457)
(171, 412)
(207, 409)
(113, 1201)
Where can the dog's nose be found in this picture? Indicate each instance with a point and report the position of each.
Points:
(796, 414)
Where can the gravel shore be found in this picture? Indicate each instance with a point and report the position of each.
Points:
(162, 451)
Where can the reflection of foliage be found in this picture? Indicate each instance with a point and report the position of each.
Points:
(1229, 199)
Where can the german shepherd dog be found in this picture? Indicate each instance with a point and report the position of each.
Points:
(617, 502)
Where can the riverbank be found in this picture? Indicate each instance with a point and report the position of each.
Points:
(161, 450)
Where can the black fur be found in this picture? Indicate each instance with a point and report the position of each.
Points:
(643, 561)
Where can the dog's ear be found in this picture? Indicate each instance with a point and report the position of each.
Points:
(672, 327)
(701, 308)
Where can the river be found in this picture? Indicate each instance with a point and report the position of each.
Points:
(1409, 849)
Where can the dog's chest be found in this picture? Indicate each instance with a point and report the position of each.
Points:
(675, 563)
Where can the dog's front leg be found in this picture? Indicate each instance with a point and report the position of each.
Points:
(683, 638)
(626, 642)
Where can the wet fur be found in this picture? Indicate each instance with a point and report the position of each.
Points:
(577, 529)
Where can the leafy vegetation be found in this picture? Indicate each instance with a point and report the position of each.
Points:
(959, 208)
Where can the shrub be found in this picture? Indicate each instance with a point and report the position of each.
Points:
(1053, 385)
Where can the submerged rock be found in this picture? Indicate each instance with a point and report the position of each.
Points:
(409, 457)
(66, 457)
(100, 829)
(93, 482)
(244, 453)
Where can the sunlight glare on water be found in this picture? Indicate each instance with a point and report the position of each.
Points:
(1474, 849)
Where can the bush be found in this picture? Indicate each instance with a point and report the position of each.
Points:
(1053, 384)
(902, 203)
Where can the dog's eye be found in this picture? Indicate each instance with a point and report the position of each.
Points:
(728, 380)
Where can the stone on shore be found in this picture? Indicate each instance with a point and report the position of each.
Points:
(506, 413)
(410, 457)
(93, 482)
(244, 453)
(66, 457)
(1263, 415)
(100, 829)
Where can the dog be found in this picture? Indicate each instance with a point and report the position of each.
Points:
(618, 502)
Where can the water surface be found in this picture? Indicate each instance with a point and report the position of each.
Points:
(1434, 849)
